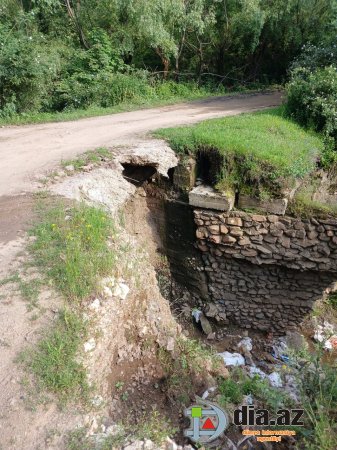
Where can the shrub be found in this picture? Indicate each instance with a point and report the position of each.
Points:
(312, 96)
(28, 66)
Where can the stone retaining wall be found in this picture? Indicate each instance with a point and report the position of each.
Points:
(265, 272)
(286, 241)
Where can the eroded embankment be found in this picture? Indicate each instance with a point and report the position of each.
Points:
(226, 264)
(248, 268)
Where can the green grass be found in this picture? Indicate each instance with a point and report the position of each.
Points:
(165, 97)
(71, 248)
(233, 389)
(262, 151)
(302, 206)
(54, 361)
(192, 361)
(92, 156)
(153, 426)
(29, 289)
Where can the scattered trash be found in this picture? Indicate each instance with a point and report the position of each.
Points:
(274, 378)
(232, 359)
(196, 313)
(246, 344)
(280, 351)
(253, 370)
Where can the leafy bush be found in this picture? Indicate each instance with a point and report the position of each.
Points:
(312, 95)
(313, 57)
(28, 65)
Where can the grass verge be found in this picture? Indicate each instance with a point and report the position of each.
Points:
(54, 362)
(168, 98)
(258, 153)
(71, 248)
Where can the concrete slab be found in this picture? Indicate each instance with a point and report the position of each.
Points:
(204, 196)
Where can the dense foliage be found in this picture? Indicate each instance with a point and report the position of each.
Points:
(57, 55)
(312, 94)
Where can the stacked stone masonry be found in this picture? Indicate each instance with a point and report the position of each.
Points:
(265, 272)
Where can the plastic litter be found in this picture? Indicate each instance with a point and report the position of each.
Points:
(196, 313)
(232, 359)
(280, 351)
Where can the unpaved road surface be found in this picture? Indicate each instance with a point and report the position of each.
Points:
(27, 420)
(29, 150)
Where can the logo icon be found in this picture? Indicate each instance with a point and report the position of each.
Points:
(207, 422)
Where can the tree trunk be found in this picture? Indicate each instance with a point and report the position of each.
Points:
(73, 15)
(165, 61)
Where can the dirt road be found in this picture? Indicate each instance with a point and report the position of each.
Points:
(26, 151)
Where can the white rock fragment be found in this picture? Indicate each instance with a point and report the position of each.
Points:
(326, 334)
(171, 445)
(207, 392)
(121, 290)
(97, 401)
(170, 344)
(95, 305)
(232, 359)
(248, 399)
(108, 281)
(148, 445)
(107, 292)
(253, 370)
(246, 344)
(275, 379)
(70, 168)
(90, 345)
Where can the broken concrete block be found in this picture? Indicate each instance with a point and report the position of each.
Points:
(206, 197)
(184, 176)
